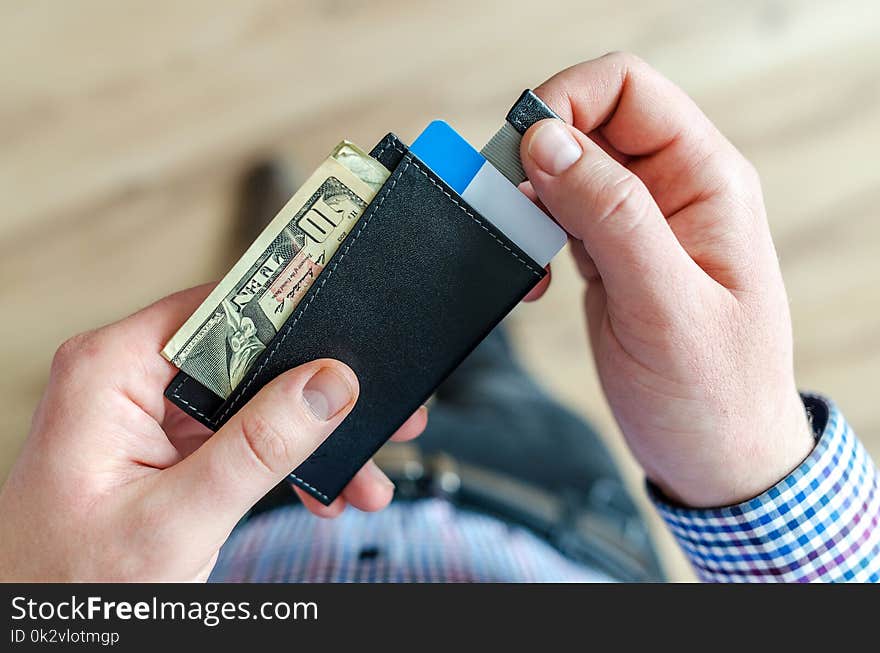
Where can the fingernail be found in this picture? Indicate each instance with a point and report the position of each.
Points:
(553, 148)
(326, 393)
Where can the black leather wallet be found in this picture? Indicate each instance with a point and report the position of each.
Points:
(418, 283)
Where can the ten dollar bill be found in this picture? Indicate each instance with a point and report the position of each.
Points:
(219, 343)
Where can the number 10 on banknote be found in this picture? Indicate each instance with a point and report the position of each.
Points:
(220, 341)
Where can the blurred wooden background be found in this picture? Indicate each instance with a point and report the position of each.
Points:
(125, 127)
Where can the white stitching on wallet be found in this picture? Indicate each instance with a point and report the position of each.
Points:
(299, 481)
(187, 406)
(389, 142)
(479, 222)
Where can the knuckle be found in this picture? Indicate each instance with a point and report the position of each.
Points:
(743, 186)
(622, 56)
(265, 442)
(750, 175)
(73, 352)
(625, 60)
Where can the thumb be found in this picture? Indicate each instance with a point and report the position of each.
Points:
(601, 203)
(270, 436)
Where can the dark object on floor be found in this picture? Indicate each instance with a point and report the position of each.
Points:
(265, 188)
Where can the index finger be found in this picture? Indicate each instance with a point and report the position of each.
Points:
(637, 110)
(648, 124)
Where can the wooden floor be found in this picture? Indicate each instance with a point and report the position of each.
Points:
(125, 128)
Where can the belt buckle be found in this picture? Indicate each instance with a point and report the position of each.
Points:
(417, 475)
(445, 478)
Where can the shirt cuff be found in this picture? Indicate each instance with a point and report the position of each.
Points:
(820, 523)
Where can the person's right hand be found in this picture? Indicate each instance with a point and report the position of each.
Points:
(688, 316)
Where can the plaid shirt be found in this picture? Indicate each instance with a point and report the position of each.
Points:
(818, 524)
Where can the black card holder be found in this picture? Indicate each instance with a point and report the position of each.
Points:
(419, 282)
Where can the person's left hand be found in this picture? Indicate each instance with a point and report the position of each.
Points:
(116, 483)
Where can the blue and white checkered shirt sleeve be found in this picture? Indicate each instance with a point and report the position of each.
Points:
(818, 524)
